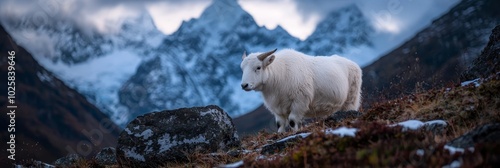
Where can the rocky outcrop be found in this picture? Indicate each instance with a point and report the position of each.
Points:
(106, 156)
(483, 134)
(54, 119)
(68, 160)
(160, 137)
(488, 62)
(432, 58)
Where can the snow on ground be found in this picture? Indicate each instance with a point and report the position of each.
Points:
(454, 150)
(342, 131)
(235, 164)
(410, 124)
(440, 122)
(416, 124)
(454, 164)
(420, 152)
(476, 82)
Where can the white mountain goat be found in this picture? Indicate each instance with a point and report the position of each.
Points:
(297, 86)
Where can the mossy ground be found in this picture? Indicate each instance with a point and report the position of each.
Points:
(376, 145)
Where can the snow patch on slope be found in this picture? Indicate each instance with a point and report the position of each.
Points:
(342, 131)
(100, 77)
(416, 124)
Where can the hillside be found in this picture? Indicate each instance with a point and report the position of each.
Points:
(385, 136)
(434, 57)
(469, 108)
(462, 129)
(51, 117)
(455, 126)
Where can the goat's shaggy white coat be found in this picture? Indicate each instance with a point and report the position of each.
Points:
(297, 86)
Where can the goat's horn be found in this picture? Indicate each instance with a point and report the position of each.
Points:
(244, 55)
(266, 54)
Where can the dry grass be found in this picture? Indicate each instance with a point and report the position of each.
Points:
(204, 160)
(376, 145)
(462, 107)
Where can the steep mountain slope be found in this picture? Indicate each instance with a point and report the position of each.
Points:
(436, 55)
(488, 63)
(62, 41)
(95, 64)
(51, 118)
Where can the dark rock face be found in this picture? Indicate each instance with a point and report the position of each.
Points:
(436, 128)
(488, 62)
(156, 138)
(106, 156)
(55, 120)
(432, 58)
(262, 119)
(69, 160)
(482, 134)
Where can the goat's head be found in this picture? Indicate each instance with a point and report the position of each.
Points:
(254, 69)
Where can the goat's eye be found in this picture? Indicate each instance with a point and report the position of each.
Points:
(258, 68)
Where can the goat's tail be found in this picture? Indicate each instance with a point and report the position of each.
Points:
(353, 101)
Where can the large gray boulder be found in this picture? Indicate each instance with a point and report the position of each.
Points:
(106, 156)
(168, 136)
(487, 133)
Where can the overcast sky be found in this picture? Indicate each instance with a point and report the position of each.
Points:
(298, 17)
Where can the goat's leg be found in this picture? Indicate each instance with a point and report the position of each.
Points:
(281, 123)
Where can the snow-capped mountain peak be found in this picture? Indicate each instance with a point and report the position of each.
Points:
(139, 29)
(222, 14)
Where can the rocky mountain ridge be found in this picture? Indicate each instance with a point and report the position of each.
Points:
(51, 119)
(434, 57)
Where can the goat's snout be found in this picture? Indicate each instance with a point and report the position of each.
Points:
(244, 85)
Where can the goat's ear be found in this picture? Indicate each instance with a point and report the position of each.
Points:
(244, 55)
(268, 60)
